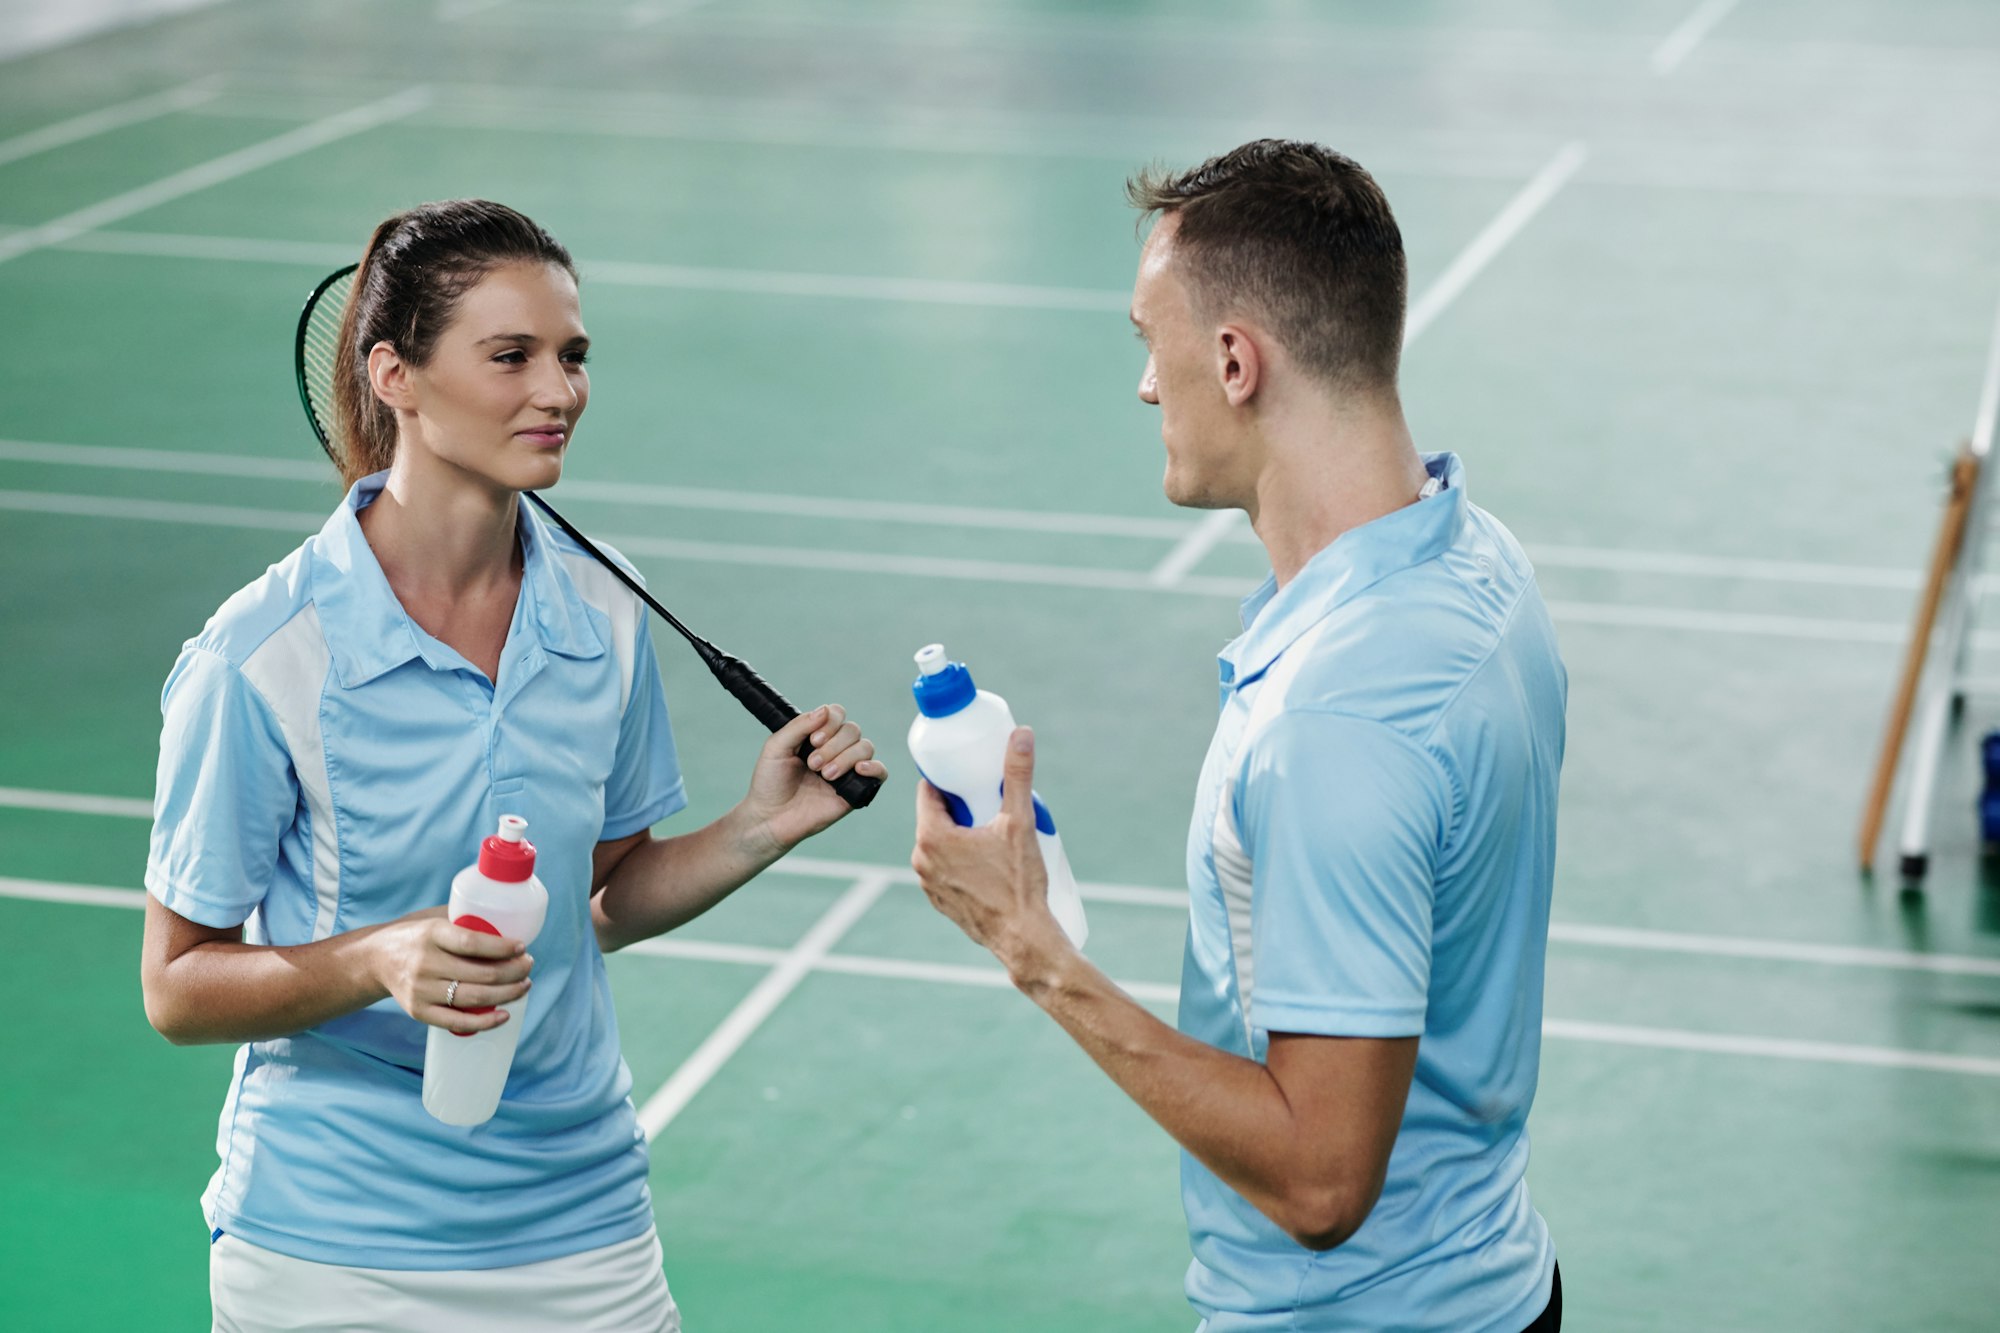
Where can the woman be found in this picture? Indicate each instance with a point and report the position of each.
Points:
(337, 741)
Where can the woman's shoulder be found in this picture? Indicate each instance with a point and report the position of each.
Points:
(276, 604)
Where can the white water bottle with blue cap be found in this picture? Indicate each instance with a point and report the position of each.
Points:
(959, 741)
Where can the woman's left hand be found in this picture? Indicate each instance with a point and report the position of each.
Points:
(788, 800)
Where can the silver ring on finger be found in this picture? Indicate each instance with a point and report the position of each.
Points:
(451, 996)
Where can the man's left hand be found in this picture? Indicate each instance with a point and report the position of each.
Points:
(990, 880)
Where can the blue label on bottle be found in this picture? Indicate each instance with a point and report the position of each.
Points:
(1044, 821)
(961, 813)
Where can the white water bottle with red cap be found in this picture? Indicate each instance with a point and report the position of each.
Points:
(497, 895)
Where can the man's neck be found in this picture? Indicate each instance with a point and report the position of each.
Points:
(1328, 473)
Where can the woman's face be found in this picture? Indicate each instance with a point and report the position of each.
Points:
(506, 383)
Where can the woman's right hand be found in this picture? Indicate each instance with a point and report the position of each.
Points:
(418, 957)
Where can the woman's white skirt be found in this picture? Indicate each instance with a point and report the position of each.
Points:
(617, 1289)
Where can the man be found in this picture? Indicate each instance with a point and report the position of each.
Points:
(1373, 842)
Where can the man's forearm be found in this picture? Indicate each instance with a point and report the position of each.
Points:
(1231, 1113)
(662, 884)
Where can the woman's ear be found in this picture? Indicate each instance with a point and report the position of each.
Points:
(389, 377)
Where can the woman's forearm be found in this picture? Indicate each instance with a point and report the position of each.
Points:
(226, 991)
(661, 884)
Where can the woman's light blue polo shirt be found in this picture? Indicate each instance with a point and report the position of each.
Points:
(325, 764)
(1371, 855)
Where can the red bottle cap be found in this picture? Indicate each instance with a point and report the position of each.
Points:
(508, 856)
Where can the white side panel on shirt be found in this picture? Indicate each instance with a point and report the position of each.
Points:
(289, 669)
(601, 588)
(1233, 868)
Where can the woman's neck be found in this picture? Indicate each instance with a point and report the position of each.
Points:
(442, 534)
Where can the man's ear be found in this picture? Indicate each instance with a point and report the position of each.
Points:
(1239, 363)
(389, 376)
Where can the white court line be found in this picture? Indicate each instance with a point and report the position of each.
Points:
(623, 273)
(80, 895)
(1601, 558)
(925, 291)
(216, 171)
(164, 460)
(457, 11)
(1770, 1048)
(1723, 567)
(105, 119)
(648, 12)
(750, 1013)
(976, 571)
(1192, 549)
(228, 249)
(1667, 57)
(75, 803)
(1728, 622)
(1176, 900)
(812, 954)
(1515, 214)
(1518, 213)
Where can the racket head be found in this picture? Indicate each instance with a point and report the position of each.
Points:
(316, 352)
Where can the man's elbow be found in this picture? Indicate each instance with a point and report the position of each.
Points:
(168, 1024)
(1322, 1217)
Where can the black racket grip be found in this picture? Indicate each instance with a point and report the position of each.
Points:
(774, 711)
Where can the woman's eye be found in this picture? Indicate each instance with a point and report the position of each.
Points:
(576, 358)
(515, 357)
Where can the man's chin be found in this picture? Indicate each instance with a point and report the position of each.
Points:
(1190, 495)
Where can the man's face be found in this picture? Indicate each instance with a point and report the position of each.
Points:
(1182, 378)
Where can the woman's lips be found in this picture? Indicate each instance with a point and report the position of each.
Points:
(549, 437)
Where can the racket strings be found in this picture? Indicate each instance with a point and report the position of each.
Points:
(319, 353)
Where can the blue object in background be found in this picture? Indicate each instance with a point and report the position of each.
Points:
(1989, 793)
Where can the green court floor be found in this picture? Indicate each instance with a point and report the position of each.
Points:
(1704, 293)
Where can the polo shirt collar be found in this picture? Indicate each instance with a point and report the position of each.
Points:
(1274, 618)
(367, 631)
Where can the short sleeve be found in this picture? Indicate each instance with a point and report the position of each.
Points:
(224, 796)
(645, 784)
(1344, 820)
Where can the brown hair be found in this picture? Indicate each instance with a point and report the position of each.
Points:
(1300, 237)
(417, 266)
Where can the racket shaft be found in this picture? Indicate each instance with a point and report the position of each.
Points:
(773, 710)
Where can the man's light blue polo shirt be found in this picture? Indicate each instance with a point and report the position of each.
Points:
(1371, 855)
(326, 764)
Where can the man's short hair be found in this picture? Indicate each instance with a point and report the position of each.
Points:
(1299, 238)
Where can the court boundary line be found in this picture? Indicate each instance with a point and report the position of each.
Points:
(813, 954)
(643, 274)
(118, 116)
(1606, 559)
(1635, 938)
(1085, 578)
(216, 171)
(788, 125)
(1688, 34)
(1521, 208)
(750, 1013)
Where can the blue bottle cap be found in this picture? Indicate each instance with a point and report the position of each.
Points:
(943, 687)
